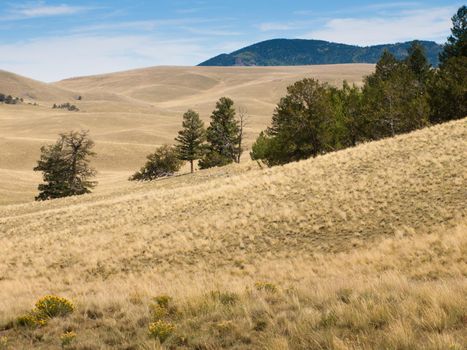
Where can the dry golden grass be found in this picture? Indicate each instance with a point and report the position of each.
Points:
(129, 113)
(362, 249)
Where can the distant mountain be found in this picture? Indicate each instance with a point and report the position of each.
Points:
(294, 52)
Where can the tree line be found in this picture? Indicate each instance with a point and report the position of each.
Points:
(400, 96)
(10, 100)
(313, 118)
(67, 172)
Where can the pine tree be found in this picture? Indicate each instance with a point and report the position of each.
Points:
(457, 41)
(418, 62)
(191, 138)
(65, 166)
(385, 66)
(222, 136)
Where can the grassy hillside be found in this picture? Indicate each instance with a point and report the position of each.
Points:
(129, 113)
(359, 249)
(291, 52)
(31, 90)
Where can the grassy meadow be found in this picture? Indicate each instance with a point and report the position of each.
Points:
(359, 249)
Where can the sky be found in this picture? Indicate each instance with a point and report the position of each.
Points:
(51, 40)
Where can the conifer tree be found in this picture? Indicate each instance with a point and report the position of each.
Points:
(191, 138)
(65, 166)
(222, 136)
(457, 41)
(418, 62)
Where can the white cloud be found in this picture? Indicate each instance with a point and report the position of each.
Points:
(28, 11)
(55, 58)
(427, 24)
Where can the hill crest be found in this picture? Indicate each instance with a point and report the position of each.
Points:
(292, 52)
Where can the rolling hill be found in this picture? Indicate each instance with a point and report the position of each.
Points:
(32, 90)
(292, 52)
(362, 248)
(129, 113)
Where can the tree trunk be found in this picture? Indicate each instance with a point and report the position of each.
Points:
(191, 165)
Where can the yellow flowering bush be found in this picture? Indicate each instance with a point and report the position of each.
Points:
(32, 320)
(67, 338)
(54, 306)
(161, 330)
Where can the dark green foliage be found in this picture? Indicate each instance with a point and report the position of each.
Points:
(286, 52)
(448, 91)
(315, 118)
(65, 167)
(395, 101)
(223, 136)
(68, 106)
(352, 126)
(457, 41)
(191, 138)
(162, 163)
(302, 125)
(418, 63)
(10, 100)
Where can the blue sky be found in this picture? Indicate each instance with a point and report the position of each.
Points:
(55, 39)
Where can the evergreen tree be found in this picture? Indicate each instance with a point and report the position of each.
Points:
(191, 138)
(457, 41)
(385, 66)
(418, 62)
(222, 136)
(65, 166)
(352, 125)
(162, 163)
(303, 125)
(448, 91)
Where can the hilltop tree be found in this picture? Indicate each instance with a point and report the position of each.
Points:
(303, 125)
(191, 138)
(65, 167)
(162, 163)
(456, 45)
(222, 136)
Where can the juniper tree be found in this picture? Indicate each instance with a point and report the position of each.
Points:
(222, 136)
(65, 166)
(191, 138)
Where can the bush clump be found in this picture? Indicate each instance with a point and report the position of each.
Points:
(161, 330)
(266, 286)
(162, 163)
(54, 306)
(67, 338)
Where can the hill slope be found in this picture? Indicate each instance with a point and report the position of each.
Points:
(345, 238)
(130, 113)
(32, 90)
(292, 52)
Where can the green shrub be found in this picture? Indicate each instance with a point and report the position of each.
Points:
(225, 298)
(266, 286)
(162, 163)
